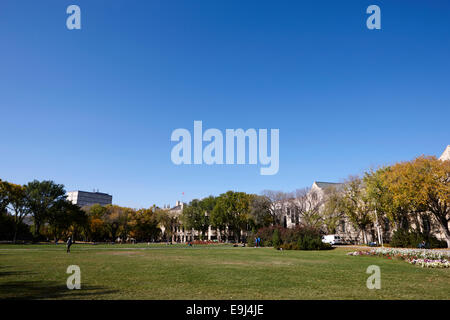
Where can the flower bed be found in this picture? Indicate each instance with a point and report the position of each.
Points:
(421, 257)
(359, 253)
(427, 263)
(204, 242)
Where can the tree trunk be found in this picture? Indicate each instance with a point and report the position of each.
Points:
(447, 235)
(364, 236)
(15, 234)
(441, 218)
(36, 228)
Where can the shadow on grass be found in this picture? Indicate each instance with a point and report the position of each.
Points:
(13, 273)
(41, 289)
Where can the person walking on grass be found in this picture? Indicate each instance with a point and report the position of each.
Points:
(69, 243)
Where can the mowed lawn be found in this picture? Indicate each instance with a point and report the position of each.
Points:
(208, 272)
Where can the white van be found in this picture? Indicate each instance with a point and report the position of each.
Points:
(332, 239)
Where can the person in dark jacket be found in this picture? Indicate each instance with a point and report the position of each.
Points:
(69, 243)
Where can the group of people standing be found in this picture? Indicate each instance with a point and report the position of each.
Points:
(258, 242)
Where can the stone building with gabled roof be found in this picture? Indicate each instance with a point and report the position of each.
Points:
(344, 228)
(323, 185)
(446, 154)
(180, 233)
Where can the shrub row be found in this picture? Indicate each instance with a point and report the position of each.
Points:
(403, 238)
(298, 238)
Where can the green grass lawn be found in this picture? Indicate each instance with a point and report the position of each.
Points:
(208, 272)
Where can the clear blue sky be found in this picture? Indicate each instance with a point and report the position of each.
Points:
(95, 108)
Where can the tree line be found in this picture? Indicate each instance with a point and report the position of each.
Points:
(398, 196)
(402, 196)
(51, 217)
(44, 201)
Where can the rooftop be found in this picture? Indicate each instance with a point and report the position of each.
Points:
(446, 154)
(323, 185)
(96, 192)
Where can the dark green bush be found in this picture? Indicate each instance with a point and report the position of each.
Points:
(251, 239)
(276, 241)
(7, 227)
(404, 238)
(299, 238)
(309, 242)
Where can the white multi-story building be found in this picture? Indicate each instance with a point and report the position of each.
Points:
(84, 198)
(183, 235)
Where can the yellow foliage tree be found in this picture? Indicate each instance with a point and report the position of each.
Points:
(423, 186)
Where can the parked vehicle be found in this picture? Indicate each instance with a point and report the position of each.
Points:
(332, 239)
